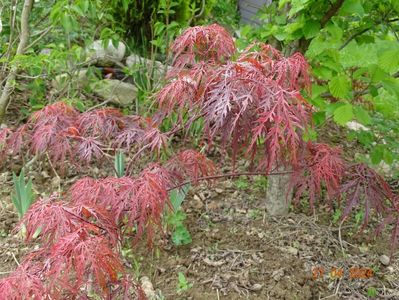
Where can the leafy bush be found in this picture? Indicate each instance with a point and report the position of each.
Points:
(250, 103)
(351, 47)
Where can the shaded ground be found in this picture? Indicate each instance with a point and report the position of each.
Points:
(239, 252)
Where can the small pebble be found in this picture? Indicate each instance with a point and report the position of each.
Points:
(384, 260)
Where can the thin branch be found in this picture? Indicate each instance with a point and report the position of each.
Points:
(46, 31)
(331, 12)
(362, 92)
(24, 37)
(353, 37)
(303, 43)
(228, 175)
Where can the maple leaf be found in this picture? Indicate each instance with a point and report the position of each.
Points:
(206, 43)
(321, 165)
(76, 256)
(104, 123)
(24, 283)
(362, 185)
(191, 164)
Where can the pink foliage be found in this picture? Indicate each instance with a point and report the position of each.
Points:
(24, 283)
(202, 43)
(322, 165)
(363, 185)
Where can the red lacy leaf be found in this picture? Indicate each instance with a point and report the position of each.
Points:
(55, 219)
(322, 165)
(191, 164)
(362, 184)
(149, 196)
(76, 256)
(24, 283)
(104, 123)
(111, 193)
(89, 148)
(206, 43)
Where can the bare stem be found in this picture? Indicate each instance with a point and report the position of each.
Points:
(24, 38)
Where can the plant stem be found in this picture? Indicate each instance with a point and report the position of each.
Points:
(229, 175)
(24, 38)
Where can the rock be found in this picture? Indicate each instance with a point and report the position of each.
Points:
(106, 56)
(292, 250)
(256, 287)
(219, 191)
(116, 91)
(385, 260)
(197, 202)
(278, 274)
(353, 125)
(147, 287)
(46, 51)
(61, 81)
(144, 64)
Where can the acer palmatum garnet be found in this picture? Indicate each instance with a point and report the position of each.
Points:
(250, 103)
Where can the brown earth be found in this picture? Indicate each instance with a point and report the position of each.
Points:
(239, 252)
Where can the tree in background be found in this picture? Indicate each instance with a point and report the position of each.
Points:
(353, 48)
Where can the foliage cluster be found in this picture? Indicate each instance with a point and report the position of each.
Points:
(352, 47)
(250, 103)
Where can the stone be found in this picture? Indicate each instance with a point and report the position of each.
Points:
(292, 250)
(115, 91)
(144, 64)
(106, 56)
(385, 260)
(81, 78)
(46, 51)
(256, 287)
(219, 191)
(353, 125)
(278, 274)
(148, 288)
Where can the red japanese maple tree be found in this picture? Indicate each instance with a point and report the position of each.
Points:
(250, 102)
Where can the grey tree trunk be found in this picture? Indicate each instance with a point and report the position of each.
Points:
(278, 198)
(23, 41)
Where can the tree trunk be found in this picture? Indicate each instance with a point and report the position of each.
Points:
(23, 41)
(278, 197)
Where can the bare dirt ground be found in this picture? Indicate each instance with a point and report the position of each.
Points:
(239, 252)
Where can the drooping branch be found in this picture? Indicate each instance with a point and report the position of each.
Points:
(23, 41)
(362, 92)
(331, 12)
(355, 35)
(228, 175)
(304, 43)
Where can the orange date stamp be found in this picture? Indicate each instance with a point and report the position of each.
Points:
(336, 273)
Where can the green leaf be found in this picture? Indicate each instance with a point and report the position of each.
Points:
(311, 28)
(352, 7)
(343, 114)
(67, 22)
(377, 154)
(319, 117)
(340, 86)
(361, 115)
(389, 60)
(388, 156)
(181, 236)
(177, 196)
(392, 86)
